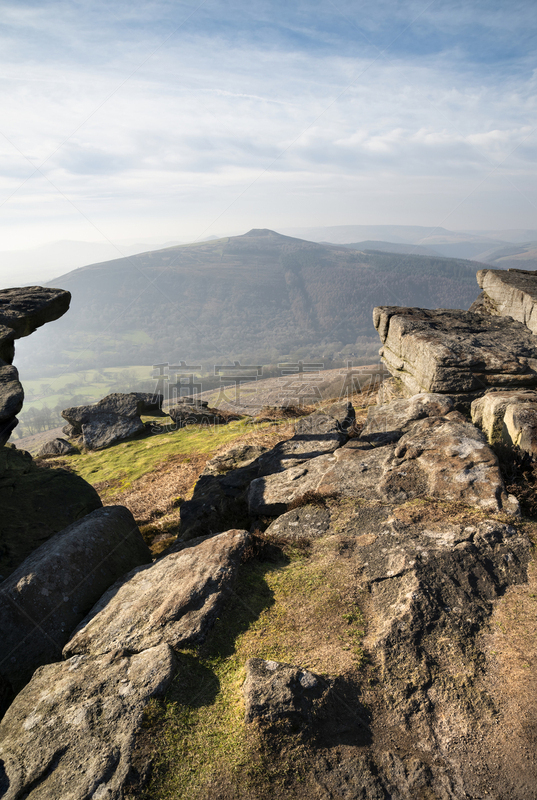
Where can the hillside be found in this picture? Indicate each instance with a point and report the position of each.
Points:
(259, 296)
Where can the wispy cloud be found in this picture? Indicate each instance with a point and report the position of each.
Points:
(416, 104)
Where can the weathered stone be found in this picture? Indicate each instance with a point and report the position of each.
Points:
(235, 458)
(271, 494)
(113, 419)
(510, 293)
(315, 435)
(387, 423)
(11, 399)
(176, 600)
(56, 447)
(26, 309)
(455, 352)
(343, 412)
(442, 457)
(508, 418)
(150, 403)
(305, 522)
(43, 601)
(184, 414)
(280, 693)
(70, 732)
(36, 503)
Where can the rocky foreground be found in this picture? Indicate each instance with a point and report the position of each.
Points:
(407, 518)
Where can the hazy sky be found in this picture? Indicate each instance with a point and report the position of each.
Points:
(177, 120)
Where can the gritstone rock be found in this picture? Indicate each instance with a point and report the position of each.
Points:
(175, 600)
(47, 596)
(56, 447)
(306, 522)
(36, 503)
(71, 731)
(113, 419)
(510, 293)
(315, 435)
(508, 418)
(197, 414)
(455, 352)
(275, 692)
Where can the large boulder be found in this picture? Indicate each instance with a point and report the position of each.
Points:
(36, 503)
(509, 419)
(196, 414)
(455, 352)
(48, 595)
(510, 293)
(176, 600)
(71, 731)
(23, 310)
(443, 457)
(113, 419)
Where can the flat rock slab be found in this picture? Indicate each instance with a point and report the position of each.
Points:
(443, 457)
(36, 503)
(315, 435)
(455, 352)
(272, 494)
(306, 522)
(387, 423)
(275, 692)
(510, 293)
(26, 309)
(175, 600)
(43, 601)
(509, 419)
(70, 732)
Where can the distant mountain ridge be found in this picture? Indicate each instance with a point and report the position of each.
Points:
(261, 296)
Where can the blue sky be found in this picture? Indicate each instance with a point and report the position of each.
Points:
(178, 120)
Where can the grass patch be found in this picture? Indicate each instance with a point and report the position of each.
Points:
(295, 608)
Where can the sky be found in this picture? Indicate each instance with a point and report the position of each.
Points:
(170, 120)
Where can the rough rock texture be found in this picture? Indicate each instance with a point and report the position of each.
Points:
(271, 494)
(387, 423)
(25, 309)
(510, 293)
(508, 418)
(235, 458)
(275, 692)
(36, 503)
(455, 352)
(43, 601)
(343, 412)
(306, 522)
(184, 414)
(442, 457)
(11, 399)
(175, 600)
(70, 733)
(150, 403)
(56, 447)
(315, 435)
(113, 419)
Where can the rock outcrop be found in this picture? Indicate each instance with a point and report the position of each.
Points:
(175, 600)
(185, 413)
(508, 419)
(70, 732)
(48, 595)
(36, 502)
(509, 293)
(21, 312)
(113, 419)
(455, 352)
